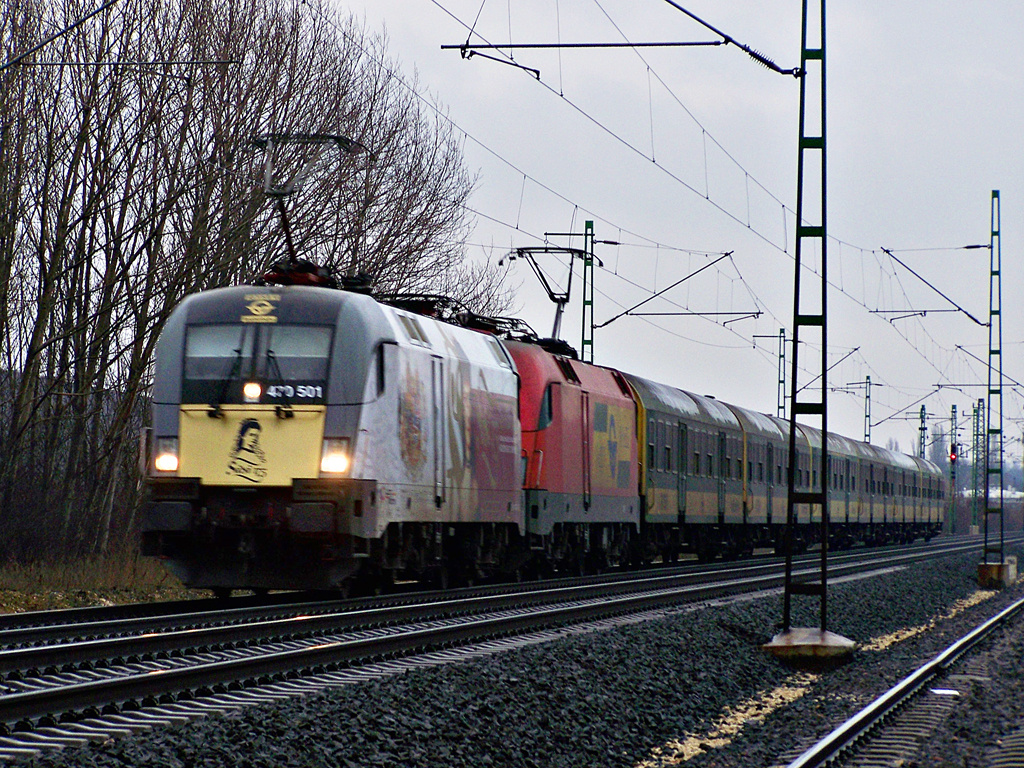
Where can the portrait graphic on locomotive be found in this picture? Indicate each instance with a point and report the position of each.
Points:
(311, 437)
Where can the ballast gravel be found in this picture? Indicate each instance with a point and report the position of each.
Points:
(625, 696)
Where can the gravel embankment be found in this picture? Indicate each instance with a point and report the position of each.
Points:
(601, 699)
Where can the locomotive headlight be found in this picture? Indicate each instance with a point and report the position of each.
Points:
(335, 459)
(252, 391)
(166, 457)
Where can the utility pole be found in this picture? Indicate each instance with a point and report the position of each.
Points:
(810, 313)
(867, 409)
(923, 434)
(954, 454)
(780, 406)
(977, 462)
(991, 571)
(780, 399)
(867, 405)
(587, 342)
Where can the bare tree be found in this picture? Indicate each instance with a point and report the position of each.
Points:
(126, 184)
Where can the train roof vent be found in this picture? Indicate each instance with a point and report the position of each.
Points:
(621, 381)
(567, 370)
(558, 347)
(361, 283)
(297, 272)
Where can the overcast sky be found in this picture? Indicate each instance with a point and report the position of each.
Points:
(681, 154)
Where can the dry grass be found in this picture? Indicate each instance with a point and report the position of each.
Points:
(87, 582)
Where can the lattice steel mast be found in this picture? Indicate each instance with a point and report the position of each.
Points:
(994, 408)
(809, 313)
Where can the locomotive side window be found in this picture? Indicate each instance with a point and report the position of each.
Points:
(381, 368)
(544, 416)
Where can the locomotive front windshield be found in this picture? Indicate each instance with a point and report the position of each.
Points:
(290, 362)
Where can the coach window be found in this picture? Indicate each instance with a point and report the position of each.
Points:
(669, 439)
(652, 455)
(661, 443)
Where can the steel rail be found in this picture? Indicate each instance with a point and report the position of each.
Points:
(161, 684)
(41, 626)
(18, 630)
(27, 706)
(860, 724)
(151, 636)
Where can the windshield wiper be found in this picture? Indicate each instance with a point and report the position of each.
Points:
(284, 410)
(215, 411)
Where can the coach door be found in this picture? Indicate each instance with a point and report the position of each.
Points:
(681, 458)
(722, 453)
(770, 488)
(438, 425)
(587, 439)
(845, 480)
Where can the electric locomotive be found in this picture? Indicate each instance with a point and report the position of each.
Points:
(304, 435)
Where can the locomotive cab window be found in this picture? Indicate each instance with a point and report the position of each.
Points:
(294, 352)
(213, 351)
(290, 362)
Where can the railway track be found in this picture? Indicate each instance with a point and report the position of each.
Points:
(890, 730)
(84, 674)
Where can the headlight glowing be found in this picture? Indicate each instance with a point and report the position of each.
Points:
(335, 459)
(252, 391)
(166, 457)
